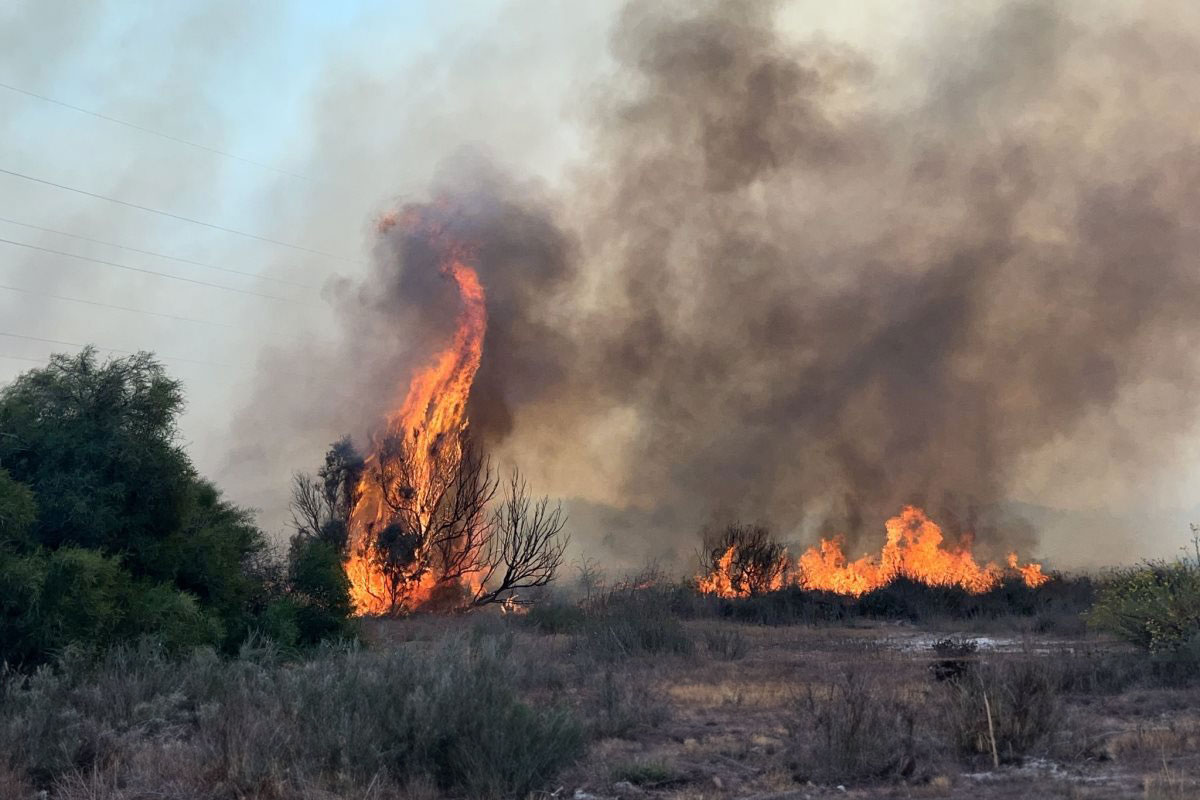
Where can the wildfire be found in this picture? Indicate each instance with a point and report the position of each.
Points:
(913, 549)
(431, 416)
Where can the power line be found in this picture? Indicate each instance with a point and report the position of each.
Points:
(110, 305)
(171, 215)
(150, 131)
(109, 349)
(23, 358)
(144, 271)
(156, 255)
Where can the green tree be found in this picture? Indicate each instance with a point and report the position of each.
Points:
(320, 589)
(18, 512)
(96, 442)
(106, 530)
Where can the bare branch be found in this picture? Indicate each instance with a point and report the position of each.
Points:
(526, 546)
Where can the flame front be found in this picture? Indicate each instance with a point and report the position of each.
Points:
(432, 414)
(914, 550)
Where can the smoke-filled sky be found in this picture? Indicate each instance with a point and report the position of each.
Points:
(769, 260)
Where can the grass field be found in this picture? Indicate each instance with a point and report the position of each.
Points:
(762, 712)
(640, 694)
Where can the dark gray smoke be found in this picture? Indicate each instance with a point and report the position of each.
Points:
(783, 287)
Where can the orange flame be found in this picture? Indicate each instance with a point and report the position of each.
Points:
(721, 581)
(432, 414)
(913, 550)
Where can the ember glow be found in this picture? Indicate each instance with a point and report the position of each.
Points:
(432, 415)
(914, 549)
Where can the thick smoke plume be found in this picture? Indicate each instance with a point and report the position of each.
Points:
(784, 286)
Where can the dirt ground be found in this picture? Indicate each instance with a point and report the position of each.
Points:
(721, 722)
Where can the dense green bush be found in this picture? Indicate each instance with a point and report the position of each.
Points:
(18, 512)
(340, 722)
(107, 532)
(1155, 606)
(320, 590)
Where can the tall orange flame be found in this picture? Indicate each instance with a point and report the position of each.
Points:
(913, 549)
(432, 414)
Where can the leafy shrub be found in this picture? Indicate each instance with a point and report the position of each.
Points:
(1155, 606)
(320, 590)
(173, 617)
(18, 511)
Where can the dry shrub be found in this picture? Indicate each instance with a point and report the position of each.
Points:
(860, 727)
(726, 644)
(555, 616)
(647, 774)
(1008, 706)
(260, 727)
(624, 702)
(14, 784)
(635, 621)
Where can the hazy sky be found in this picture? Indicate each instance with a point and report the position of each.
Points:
(343, 108)
(266, 82)
(252, 80)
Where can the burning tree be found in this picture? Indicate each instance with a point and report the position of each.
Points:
(436, 523)
(439, 539)
(421, 526)
(321, 505)
(742, 560)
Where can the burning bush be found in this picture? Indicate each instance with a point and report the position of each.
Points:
(745, 561)
(742, 560)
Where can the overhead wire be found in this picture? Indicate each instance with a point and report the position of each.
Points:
(108, 349)
(157, 255)
(151, 131)
(142, 270)
(172, 215)
(24, 358)
(19, 290)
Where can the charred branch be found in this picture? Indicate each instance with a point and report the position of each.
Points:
(525, 546)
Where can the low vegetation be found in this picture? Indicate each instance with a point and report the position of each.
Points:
(154, 645)
(1155, 606)
(447, 716)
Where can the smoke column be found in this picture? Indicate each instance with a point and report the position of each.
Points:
(782, 285)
